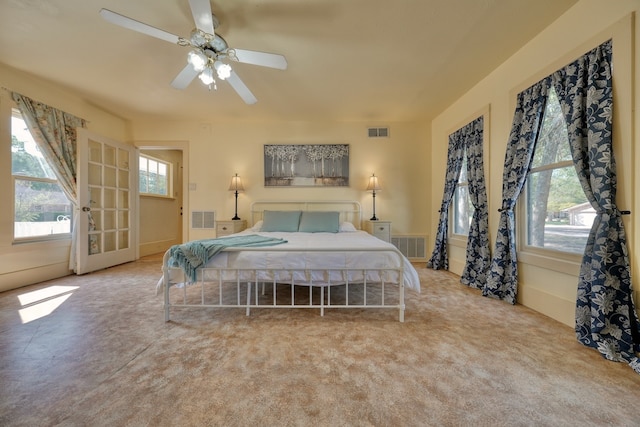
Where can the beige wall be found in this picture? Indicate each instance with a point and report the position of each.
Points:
(26, 263)
(219, 150)
(547, 285)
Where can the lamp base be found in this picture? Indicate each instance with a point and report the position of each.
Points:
(374, 218)
(235, 218)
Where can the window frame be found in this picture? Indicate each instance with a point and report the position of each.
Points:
(453, 210)
(462, 240)
(553, 259)
(169, 177)
(16, 113)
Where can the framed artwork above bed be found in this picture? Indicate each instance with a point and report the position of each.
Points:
(306, 165)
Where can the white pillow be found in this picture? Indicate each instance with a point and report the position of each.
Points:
(346, 227)
(257, 226)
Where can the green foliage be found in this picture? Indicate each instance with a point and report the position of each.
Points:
(23, 163)
(33, 197)
(566, 190)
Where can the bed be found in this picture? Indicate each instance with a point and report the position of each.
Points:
(293, 255)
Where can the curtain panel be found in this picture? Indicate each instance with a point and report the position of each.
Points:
(468, 141)
(502, 282)
(478, 254)
(606, 317)
(455, 155)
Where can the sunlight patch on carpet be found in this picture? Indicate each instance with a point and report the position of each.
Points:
(41, 303)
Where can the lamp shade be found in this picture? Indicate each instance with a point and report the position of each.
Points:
(236, 184)
(373, 184)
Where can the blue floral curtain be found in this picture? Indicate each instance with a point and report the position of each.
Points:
(606, 317)
(467, 139)
(502, 282)
(55, 133)
(478, 256)
(455, 156)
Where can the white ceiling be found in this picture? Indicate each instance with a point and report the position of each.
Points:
(368, 60)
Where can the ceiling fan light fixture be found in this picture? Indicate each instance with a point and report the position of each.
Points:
(198, 38)
(223, 70)
(206, 48)
(197, 59)
(218, 44)
(206, 76)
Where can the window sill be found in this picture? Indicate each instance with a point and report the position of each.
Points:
(458, 240)
(156, 196)
(42, 239)
(550, 260)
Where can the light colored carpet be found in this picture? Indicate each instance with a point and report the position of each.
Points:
(105, 357)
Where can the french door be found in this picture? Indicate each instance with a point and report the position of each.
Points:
(107, 197)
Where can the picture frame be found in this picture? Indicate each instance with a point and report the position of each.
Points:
(306, 165)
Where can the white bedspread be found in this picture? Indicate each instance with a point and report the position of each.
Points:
(318, 259)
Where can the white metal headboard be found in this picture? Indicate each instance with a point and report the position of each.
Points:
(350, 210)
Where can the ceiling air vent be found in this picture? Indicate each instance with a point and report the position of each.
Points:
(378, 132)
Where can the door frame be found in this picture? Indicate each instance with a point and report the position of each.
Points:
(179, 146)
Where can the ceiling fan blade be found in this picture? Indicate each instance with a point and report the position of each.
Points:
(201, 10)
(132, 24)
(242, 89)
(184, 77)
(263, 59)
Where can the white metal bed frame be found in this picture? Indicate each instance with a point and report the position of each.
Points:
(246, 291)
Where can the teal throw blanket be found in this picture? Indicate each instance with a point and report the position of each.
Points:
(191, 255)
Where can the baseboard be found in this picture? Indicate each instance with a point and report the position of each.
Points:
(18, 279)
(158, 246)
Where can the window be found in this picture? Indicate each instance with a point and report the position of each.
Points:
(155, 176)
(462, 207)
(558, 214)
(41, 206)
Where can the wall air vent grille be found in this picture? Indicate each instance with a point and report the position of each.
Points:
(413, 247)
(203, 219)
(378, 132)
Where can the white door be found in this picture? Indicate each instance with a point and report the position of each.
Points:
(107, 196)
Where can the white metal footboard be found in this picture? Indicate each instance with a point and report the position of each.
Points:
(360, 287)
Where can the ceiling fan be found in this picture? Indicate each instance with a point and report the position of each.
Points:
(209, 55)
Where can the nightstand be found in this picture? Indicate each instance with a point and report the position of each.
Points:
(379, 229)
(224, 228)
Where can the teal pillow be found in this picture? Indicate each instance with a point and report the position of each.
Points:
(280, 221)
(320, 222)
